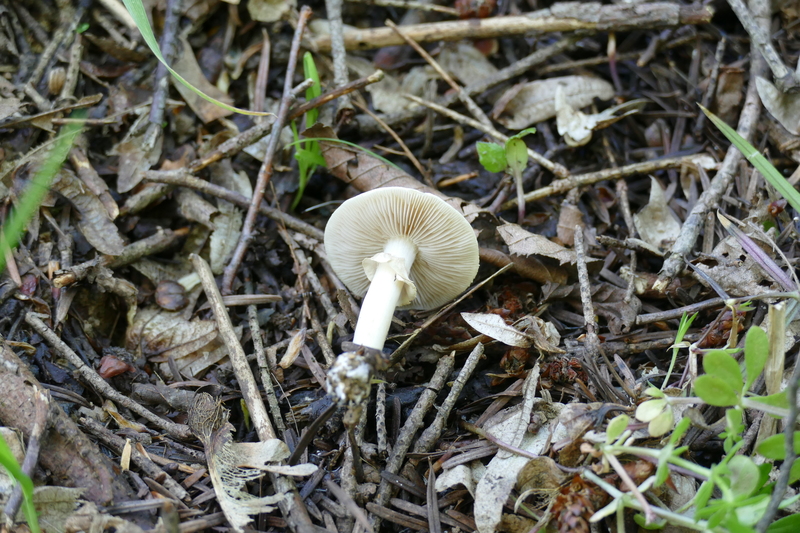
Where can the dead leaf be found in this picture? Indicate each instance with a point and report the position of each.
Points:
(193, 207)
(465, 62)
(730, 93)
(785, 107)
(94, 222)
(162, 334)
(186, 65)
(522, 242)
(466, 476)
(656, 223)
(9, 106)
(386, 94)
(232, 465)
(228, 221)
(269, 10)
(536, 101)
(137, 154)
(495, 327)
(576, 127)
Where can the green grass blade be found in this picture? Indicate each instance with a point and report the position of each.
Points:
(769, 172)
(37, 189)
(136, 9)
(9, 462)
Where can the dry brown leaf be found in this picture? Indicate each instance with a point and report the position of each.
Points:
(269, 10)
(137, 154)
(736, 271)
(228, 222)
(465, 62)
(9, 106)
(656, 223)
(186, 65)
(730, 93)
(785, 107)
(576, 127)
(94, 222)
(464, 475)
(522, 242)
(536, 101)
(160, 334)
(193, 207)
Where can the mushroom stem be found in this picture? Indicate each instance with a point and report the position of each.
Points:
(388, 283)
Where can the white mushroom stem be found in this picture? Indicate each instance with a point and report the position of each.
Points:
(389, 285)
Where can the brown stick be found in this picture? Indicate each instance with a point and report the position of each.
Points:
(265, 172)
(570, 16)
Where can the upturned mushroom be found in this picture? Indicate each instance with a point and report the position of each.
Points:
(402, 248)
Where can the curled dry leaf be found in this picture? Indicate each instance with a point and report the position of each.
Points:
(464, 475)
(576, 127)
(785, 107)
(162, 334)
(137, 153)
(94, 222)
(656, 223)
(231, 465)
(526, 332)
(186, 65)
(736, 271)
(522, 242)
(536, 101)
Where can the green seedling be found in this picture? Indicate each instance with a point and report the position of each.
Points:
(137, 11)
(512, 158)
(735, 492)
(9, 462)
(308, 153)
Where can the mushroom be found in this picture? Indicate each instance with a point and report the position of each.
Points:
(402, 248)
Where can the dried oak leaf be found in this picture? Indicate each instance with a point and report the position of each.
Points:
(231, 465)
(162, 334)
(522, 242)
(94, 222)
(656, 223)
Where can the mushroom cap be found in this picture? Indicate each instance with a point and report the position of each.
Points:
(447, 249)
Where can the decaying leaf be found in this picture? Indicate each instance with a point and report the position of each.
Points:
(522, 242)
(736, 271)
(465, 62)
(137, 154)
(186, 65)
(495, 327)
(656, 223)
(576, 127)
(89, 518)
(503, 470)
(231, 465)
(386, 94)
(228, 221)
(464, 475)
(94, 222)
(526, 332)
(160, 334)
(269, 10)
(9, 106)
(536, 101)
(785, 107)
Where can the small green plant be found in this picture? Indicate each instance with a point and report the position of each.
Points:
(735, 493)
(512, 158)
(308, 153)
(9, 462)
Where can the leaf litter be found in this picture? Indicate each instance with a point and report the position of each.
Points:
(552, 422)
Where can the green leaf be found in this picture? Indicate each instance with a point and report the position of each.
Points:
(756, 351)
(719, 364)
(615, 428)
(703, 494)
(649, 410)
(9, 462)
(680, 429)
(82, 27)
(523, 133)
(787, 524)
(769, 172)
(750, 512)
(774, 447)
(492, 156)
(779, 399)
(661, 424)
(136, 9)
(715, 391)
(794, 473)
(310, 71)
(641, 521)
(744, 475)
(516, 155)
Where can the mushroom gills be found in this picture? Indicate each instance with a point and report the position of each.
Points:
(390, 286)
